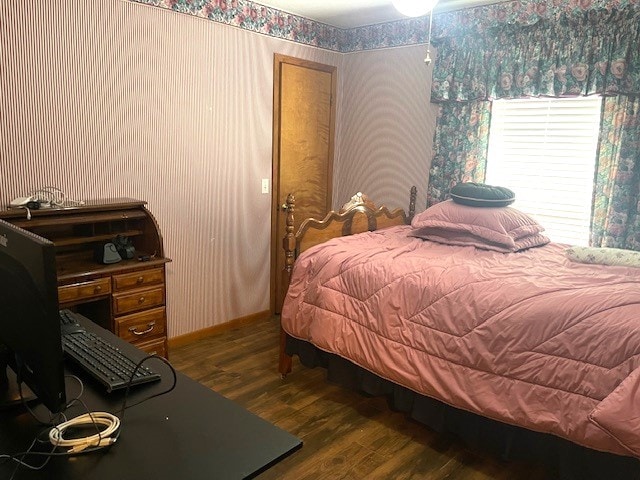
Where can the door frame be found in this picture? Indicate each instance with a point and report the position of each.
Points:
(278, 61)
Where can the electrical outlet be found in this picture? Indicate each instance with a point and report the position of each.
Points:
(265, 185)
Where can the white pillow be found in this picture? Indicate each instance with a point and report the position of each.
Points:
(604, 256)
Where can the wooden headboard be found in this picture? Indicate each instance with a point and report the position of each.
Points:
(356, 216)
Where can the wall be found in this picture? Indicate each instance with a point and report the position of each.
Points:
(387, 126)
(112, 99)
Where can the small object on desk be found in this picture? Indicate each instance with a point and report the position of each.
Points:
(69, 322)
(144, 258)
(107, 253)
(125, 247)
(67, 317)
(25, 202)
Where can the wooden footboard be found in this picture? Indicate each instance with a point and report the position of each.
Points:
(356, 216)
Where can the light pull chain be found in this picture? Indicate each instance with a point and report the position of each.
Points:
(427, 59)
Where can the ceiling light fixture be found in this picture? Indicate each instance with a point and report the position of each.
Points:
(418, 8)
(414, 8)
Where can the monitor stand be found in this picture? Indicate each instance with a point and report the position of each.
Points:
(9, 392)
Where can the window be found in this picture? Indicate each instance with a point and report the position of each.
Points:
(545, 151)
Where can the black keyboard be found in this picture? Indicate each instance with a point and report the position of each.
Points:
(102, 360)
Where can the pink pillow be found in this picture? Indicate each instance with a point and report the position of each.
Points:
(501, 227)
(449, 237)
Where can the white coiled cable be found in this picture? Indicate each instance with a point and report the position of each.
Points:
(98, 440)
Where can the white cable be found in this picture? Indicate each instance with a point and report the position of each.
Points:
(102, 439)
(50, 196)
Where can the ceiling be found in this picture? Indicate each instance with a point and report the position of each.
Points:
(356, 13)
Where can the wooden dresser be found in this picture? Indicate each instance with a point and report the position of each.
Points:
(127, 297)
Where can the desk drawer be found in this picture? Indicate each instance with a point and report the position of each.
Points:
(154, 347)
(138, 300)
(141, 326)
(84, 290)
(143, 278)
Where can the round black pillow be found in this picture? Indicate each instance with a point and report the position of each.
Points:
(481, 195)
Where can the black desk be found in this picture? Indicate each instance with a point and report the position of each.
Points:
(190, 433)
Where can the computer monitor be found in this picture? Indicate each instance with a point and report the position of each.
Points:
(29, 320)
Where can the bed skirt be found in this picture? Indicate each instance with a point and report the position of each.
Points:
(563, 459)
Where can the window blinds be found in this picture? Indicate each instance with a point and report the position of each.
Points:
(545, 151)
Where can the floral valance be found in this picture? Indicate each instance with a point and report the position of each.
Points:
(518, 12)
(565, 52)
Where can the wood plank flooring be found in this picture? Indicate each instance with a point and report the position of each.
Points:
(346, 435)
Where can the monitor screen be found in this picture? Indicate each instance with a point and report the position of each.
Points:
(29, 319)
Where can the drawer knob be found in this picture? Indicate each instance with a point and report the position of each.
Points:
(150, 326)
(140, 280)
(141, 300)
(97, 289)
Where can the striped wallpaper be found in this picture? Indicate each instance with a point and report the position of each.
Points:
(112, 99)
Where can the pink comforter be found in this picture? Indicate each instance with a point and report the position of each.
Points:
(530, 338)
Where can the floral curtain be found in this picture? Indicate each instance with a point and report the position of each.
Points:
(460, 147)
(532, 48)
(616, 201)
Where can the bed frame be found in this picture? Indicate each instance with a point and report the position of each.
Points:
(567, 460)
(358, 215)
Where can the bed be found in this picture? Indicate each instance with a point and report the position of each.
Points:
(490, 331)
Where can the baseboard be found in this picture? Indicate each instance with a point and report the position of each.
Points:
(187, 338)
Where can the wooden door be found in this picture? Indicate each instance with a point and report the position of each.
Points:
(303, 137)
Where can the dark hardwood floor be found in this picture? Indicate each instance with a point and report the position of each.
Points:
(346, 435)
